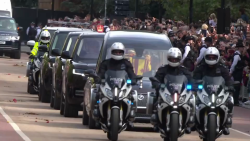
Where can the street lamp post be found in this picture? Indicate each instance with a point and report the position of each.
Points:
(106, 1)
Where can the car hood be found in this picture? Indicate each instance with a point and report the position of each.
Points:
(8, 33)
(88, 64)
(146, 86)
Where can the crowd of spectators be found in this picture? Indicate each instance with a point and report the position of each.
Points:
(177, 31)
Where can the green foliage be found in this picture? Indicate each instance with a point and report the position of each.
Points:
(24, 3)
(84, 5)
(179, 9)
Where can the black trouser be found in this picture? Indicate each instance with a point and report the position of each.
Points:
(237, 75)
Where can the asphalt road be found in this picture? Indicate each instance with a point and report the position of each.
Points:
(25, 49)
(23, 117)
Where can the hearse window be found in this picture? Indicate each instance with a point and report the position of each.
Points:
(145, 61)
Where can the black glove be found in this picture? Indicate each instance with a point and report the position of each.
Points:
(156, 85)
(231, 89)
(133, 82)
(31, 57)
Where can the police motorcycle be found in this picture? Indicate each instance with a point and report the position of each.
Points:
(212, 108)
(116, 102)
(33, 70)
(174, 110)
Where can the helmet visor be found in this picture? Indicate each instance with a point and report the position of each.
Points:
(45, 38)
(117, 52)
(211, 57)
(174, 59)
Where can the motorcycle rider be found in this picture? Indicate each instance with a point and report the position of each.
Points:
(212, 67)
(117, 62)
(45, 40)
(173, 67)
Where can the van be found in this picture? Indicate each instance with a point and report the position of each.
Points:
(5, 8)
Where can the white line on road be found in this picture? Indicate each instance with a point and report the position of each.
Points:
(240, 132)
(14, 125)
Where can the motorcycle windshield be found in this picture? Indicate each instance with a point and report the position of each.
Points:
(213, 84)
(116, 78)
(175, 83)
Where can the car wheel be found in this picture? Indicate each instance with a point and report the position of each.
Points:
(85, 117)
(69, 109)
(16, 55)
(45, 97)
(92, 122)
(62, 105)
(57, 101)
(51, 98)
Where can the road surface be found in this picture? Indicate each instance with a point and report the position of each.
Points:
(23, 117)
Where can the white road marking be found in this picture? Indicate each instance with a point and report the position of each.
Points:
(14, 125)
(240, 132)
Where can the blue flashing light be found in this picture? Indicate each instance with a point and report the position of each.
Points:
(189, 87)
(129, 81)
(98, 102)
(128, 102)
(132, 103)
(200, 87)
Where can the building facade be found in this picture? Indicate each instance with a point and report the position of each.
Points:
(47, 4)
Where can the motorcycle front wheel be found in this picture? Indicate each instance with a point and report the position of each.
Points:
(114, 127)
(174, 127)
(211, 128)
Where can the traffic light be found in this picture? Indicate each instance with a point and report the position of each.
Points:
(121, 7)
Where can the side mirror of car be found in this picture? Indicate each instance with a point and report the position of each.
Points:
(43, 48)
(55, 52)
(31, 43)
(66, 55)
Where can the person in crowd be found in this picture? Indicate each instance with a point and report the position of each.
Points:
(39, 29)
(236, 69)
(31, 31)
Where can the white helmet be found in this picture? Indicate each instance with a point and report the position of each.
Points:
(45, 36)
(212, 56)
(174, 57)
(117, 51)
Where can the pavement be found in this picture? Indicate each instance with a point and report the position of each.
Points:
(24, 118)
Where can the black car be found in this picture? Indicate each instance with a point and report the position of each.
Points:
(10, 44)
(83, 57)
(57, 42)
(58, 68)
(146, 51)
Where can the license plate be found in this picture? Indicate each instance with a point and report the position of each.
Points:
(2, 42)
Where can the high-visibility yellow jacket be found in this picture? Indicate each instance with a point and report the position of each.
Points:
(35, 48)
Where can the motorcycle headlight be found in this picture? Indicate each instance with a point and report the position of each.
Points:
(182, 99)
(109, 93)
(206, 100)
(219, 100)
(168, 99)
